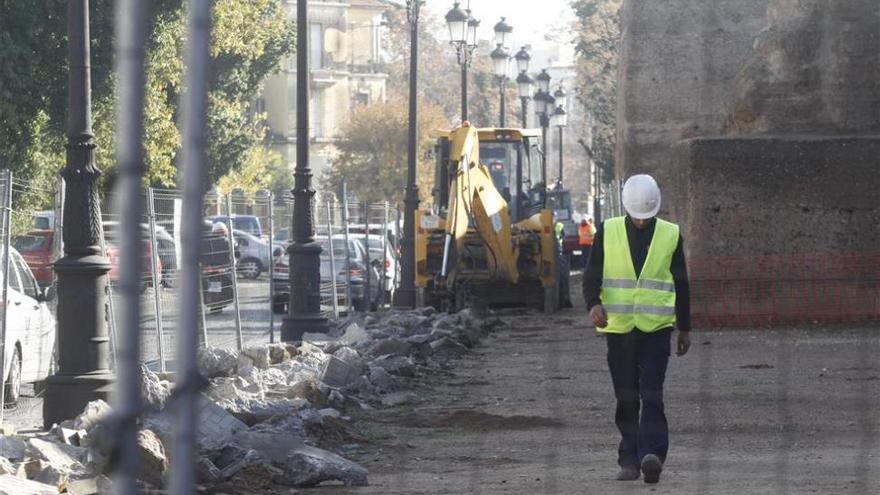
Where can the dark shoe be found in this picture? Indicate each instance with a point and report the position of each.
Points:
(651, 468)
(628, 474)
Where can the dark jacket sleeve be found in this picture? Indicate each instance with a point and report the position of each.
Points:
(682, 288)
(593, 273)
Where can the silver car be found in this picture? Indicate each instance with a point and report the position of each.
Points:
(253, 255)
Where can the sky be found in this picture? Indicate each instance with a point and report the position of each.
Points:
(532, 20)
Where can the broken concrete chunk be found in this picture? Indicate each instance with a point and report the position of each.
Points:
(354, 336)
(260, 355)
(310, 466)
(6, 466)
(278, 353)
(273, 446)
(68, 436)
(85, 486)
(10, 485)
(12, 448)
(337, 373)
(214, 362)
(396, 365)
(395, 399)
(244, 365)
(64, 457)
(95, 412)
(392, 346)
(447, 345)
(53, 476)
(309, 391)
(153, 461)
(153, 390)
(382, 380)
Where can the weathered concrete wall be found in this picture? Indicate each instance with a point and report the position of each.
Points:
(679, 63)
(761, 121)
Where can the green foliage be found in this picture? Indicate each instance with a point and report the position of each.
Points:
(248, 41)
(263, 169)
(372, 155)
(598, 47)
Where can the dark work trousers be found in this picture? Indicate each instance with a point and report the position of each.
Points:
(585, 255)
(637, 361)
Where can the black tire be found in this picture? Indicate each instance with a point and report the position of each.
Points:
(250, 268)
(13, 381)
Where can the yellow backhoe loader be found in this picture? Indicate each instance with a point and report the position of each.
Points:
(488, 238)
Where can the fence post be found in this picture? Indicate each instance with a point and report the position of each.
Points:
(238, 338)
(271, 270)
(348, 300)
(7, 224)
(202, 307)
(386, 263)
(368, 300)
(332, 261)
(154, 263)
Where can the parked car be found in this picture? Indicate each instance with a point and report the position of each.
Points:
(253, 254)
(387, 259)
(246, 223)
(356, 269)
(44, 220)
(166, 247)
(111, 245)
(30, 332)
(36, 247)
(216, 268)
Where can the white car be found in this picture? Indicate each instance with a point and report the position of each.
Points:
(30, 330)
(389, 260)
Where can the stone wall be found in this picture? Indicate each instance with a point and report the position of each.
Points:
(761, 121)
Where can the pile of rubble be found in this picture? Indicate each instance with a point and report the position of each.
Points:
(271, 417)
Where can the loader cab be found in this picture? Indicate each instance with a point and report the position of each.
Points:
(515, 164)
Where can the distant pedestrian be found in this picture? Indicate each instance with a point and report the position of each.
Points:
(586, 232)
(637, 292)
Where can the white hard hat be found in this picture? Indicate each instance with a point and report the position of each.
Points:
(641, 197)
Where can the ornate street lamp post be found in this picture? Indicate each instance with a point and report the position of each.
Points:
(524, 82)
(463, 35)
(544, 102)
(304, 313)
(405, 296)
(83, 341)
(500, 58)
(501, 61)
(560, 120)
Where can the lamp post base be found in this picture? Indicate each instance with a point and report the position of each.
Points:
(405, 298)
(66, 396)
(294, 327)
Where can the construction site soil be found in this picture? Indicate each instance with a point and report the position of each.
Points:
(530, 411)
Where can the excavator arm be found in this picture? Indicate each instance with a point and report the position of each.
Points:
(476, 207)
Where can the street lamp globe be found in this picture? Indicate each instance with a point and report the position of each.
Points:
(457, 21)
(473, 25)
(525, 84)
(560, 117)
(500, 59)
(561, 97)
(544, 81)
(503, 33)
(540, 102)
(522, 60)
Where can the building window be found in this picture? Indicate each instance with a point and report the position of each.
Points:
(316, 113)
(316, 46)
(362, 99)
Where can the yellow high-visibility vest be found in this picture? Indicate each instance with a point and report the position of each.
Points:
(646, 302)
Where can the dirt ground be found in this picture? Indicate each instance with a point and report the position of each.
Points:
(530, 411)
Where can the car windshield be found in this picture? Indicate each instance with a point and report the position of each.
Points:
(27, 243)
(246, 224)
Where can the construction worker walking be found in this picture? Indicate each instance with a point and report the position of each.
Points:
(637, 292)
(585, 239)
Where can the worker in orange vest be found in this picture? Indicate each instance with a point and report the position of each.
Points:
(585, 238)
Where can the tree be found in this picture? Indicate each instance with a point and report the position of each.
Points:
(372, 152)
(33, 84)
(597, 44)
(440, 74)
